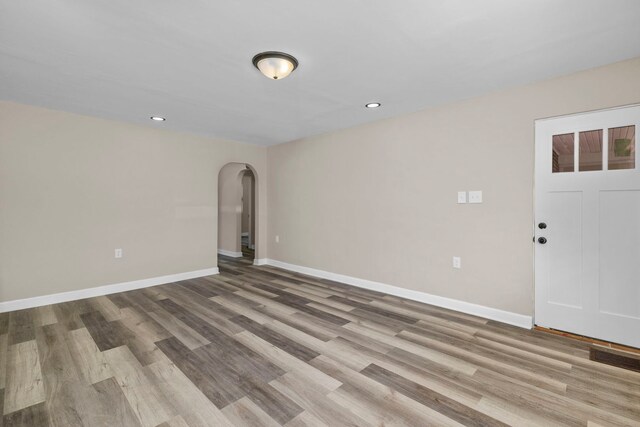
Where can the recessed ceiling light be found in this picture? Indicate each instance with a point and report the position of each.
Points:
(158, 119)
(373, 105)
(275, 65)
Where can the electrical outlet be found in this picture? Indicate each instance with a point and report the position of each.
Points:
(457, 262)
(118, 253)
(277, 239)
(462, 197)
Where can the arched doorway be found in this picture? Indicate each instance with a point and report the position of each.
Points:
(237, 211)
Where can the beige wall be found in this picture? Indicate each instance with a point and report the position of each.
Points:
(74, 188)
(246, 202)
(248, 223)
(230, 206)
(378, 201)
(375, 201)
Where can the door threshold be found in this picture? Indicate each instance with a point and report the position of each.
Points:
(614, 357)
(594, 341)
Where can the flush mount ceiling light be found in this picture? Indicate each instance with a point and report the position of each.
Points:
(275, 65)
(373, 105)
(157, 118)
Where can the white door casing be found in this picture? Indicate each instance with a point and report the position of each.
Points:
(587, 274)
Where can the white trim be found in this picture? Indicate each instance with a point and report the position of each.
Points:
(230, 253)
(579, 113)
(20, 304)
(508, 317)
(261, 261)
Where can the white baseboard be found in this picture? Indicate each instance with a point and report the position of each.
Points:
(230, 253)
(261, 261)
(508, 317)
(102, 290)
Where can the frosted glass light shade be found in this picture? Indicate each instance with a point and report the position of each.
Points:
(275, 65)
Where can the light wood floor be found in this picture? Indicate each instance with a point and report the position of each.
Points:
(264, 347)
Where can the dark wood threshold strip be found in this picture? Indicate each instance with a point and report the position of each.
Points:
(610, 356)
(590, 340)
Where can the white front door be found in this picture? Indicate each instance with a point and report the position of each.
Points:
(587, 230)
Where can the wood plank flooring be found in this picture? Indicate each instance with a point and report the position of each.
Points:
(259, 346)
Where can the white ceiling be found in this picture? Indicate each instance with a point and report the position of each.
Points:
(191, 60)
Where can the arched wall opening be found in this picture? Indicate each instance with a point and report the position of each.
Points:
(238, 207)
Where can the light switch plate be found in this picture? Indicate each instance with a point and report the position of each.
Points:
(118, 253)
(462, 197)
(475, 196)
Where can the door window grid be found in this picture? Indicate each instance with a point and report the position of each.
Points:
(590, 156)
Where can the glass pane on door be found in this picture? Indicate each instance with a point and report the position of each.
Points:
(622, 148)
(563, 153)
(590, 150)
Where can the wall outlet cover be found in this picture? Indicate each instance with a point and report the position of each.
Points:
(475, 196)
(457, 262)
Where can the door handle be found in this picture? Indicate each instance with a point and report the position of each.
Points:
(542, 226)
(542, 240)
